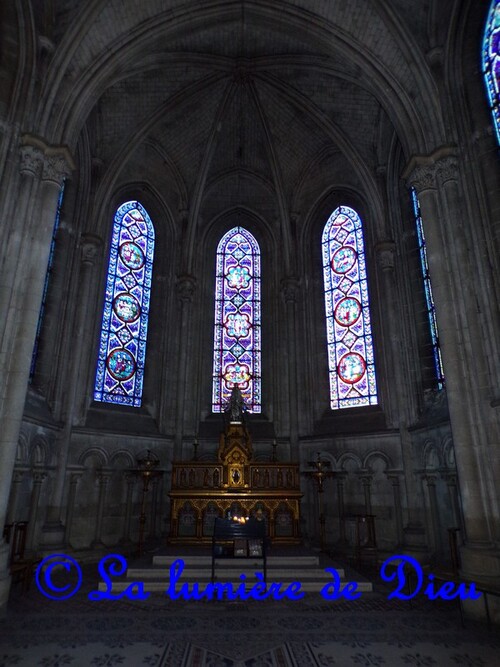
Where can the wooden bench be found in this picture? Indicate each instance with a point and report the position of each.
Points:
(232, 539)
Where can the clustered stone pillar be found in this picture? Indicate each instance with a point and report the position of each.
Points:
(186, 286)
(289, 288)
(43, 169)
(436, 179)
(53, 532)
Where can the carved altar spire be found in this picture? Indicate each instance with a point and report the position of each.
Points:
(235, 406)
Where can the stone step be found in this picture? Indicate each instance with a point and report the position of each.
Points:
(161, 586)
(284, 561)
(227, 573)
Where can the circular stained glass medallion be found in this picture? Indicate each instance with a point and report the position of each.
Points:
(126, 307)
(344, 259)
(237, 374)
(131, 255)
(120, 364)
(351, 367)
(347, 311)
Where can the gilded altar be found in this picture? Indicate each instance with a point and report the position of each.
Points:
(234, 485)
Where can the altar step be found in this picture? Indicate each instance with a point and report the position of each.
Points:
(280, 569)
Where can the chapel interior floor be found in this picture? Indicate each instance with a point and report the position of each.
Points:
(159, 632)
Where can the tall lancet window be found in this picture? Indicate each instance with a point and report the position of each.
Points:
(349, 336)
(429, 300)
(122, 349)
(237, 320)
(491, 62)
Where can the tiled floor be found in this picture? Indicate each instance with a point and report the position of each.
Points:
(159, 632)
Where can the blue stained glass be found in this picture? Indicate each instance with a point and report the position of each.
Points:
(237, 320)
(350, 347)
(122, 347)
(491, 62)
(431, 311)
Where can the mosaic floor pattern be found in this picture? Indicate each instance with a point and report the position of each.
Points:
(312, 632)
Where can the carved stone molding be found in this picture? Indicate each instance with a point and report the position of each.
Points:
(426, 172)
(447, 169)
(54, 162)
(55, 169)
(31, 161)
(386, 251)
(185, 286)
(290, 289)
(90, 245)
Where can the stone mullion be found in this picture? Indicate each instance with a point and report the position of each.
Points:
(340, 477)
(54, 530)
(434, 512)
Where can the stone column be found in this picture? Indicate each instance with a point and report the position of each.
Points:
(102, 480)
(398, 514)
(130, 479)
(289, 290)
(185, 286)
(17, 478)
(340, 477)
(431, 479)
(38, 197)
(450, 477)
(154, 499)
(38, 478)
(53, 531)
(436, 180)
(74, 479)
(366, 480)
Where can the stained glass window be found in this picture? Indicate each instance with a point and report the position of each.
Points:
(491, 62)
(46, 283)
(431, 311)
(122, 349)
(349, 337)
(237, 320)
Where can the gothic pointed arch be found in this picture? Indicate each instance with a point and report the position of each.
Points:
(351, 361)
(122, 347)
(237, 331)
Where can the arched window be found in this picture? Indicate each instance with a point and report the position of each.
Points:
(429, 300)
(491, 62)
(350, 346)
(122, 350)
(237, 320)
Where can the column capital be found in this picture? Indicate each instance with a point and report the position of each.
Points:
(290, 288)
(31, 161)
(38, 476)
(56, 162)
(386, 251)
(89, 244)
(185, 286)
(426, 172)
